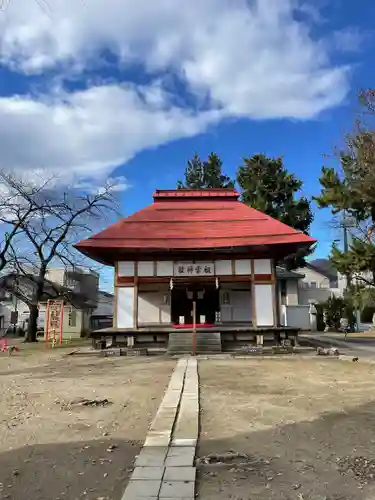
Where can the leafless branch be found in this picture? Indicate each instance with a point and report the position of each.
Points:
(43, 224)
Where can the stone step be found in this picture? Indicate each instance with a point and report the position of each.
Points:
(181, 342)
(199, 349)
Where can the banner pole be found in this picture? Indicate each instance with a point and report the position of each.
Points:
(194, 328)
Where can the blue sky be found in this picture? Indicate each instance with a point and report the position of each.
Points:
(93, 90)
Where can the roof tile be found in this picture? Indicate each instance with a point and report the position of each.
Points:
(194, 219)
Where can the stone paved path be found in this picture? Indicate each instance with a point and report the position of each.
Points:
(165, 467)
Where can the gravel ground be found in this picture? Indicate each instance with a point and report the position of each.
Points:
(287, 429)
(52, 444)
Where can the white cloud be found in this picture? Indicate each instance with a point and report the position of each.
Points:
(89, 133)
(245, 58)
(349, 39)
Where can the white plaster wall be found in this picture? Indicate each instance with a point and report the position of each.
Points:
(125, 307)
(145, 268)
(164, 268)
(264, 305)
(292, 292)
(262, 266)
(242, 267)
(223, 268)
(126, 269)
(151, 304)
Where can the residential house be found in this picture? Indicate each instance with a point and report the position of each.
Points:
(320, 281)
(78, 288)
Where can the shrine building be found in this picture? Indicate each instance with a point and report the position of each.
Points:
(194, 258)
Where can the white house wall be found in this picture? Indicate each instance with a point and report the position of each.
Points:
(292, 292)
(6, 308)
(296, 316)
(316, 295)
(312, 276)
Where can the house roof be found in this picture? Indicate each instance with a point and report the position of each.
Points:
(323, 266)
(282, 273)
(22, 286)
(193, 220)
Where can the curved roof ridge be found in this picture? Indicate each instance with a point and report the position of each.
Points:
(196, 193)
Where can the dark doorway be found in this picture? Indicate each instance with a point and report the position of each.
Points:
(207, 302)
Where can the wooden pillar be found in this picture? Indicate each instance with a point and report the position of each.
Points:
(275, 301)
(135, 303)
(131, 339)
(116, 296)
(252, 296)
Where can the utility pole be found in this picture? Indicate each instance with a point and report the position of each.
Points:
(346, 245)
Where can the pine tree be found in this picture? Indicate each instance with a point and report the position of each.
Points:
(267, 186)
(350, 190)
(205, 174)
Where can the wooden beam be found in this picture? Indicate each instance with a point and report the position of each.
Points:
(264, 277)
(125, 280)
(252, 295)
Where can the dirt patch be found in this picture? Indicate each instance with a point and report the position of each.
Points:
(287, 430)
(70, 427)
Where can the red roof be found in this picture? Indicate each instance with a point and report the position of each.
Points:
(194, 219)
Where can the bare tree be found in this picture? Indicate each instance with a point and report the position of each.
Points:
(43, 224)
(19, 203)
(51, 236)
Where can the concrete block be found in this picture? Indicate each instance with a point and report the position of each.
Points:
(162, 426)
(184, 442)
(152, 457)
(124, 497)
(154, 440)
(180, 456)
(177, 489)
(148, 473)
(142, 489)
(165, 412)
(179, 474)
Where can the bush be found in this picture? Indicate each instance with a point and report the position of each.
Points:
(336, 308)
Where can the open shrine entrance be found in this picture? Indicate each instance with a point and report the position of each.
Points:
(207, 300)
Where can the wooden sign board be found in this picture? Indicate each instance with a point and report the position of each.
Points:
(184, 269)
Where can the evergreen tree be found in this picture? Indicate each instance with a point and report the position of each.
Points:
(205, 174)
(350, 190)
(267, 186)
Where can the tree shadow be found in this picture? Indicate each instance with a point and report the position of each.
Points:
(298, 461)
(69, 471)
